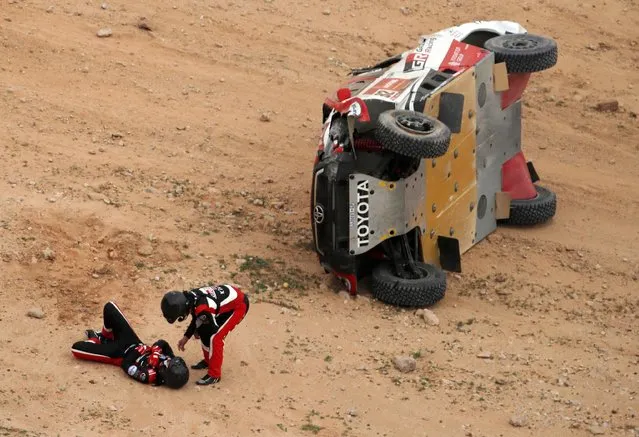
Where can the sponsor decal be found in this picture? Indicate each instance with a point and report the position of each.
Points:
(417, 59)
(132, 370)
(363, 229)
(461, 55)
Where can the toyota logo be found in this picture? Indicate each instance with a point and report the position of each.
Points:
(318, 214)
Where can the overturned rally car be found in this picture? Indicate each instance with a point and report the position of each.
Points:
(420, 158)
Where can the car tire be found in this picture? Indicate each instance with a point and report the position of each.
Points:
(412, 134)
(391, 289)
(535, 211)
(523, 53)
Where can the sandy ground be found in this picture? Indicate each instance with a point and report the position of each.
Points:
(139, 163)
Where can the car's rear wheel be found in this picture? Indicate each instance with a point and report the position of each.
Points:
(523, 53)
(424, 290)
(412, 134)
(535, 211)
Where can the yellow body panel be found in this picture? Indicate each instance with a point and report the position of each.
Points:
(451, 180)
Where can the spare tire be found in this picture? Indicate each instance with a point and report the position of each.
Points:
(394, 290)
(412, 134)
(523, 53)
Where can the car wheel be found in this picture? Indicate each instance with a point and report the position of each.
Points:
(412, 134)
(534, 211)
(392, 289)
(524, 53)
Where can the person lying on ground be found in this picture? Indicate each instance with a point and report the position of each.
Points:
(215, 312)
(118, 344)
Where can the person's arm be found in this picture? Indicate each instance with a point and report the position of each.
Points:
(146, 373)
(165, 348)
(191, 329)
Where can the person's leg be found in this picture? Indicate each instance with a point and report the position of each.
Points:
(117, 325)
(216, 344)
(205, 333)
(92, 350)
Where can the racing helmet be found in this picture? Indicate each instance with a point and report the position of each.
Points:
(174, 372)
(174, 306)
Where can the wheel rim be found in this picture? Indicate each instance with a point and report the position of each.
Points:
(415, 124)
(520, 44)
(405, 273)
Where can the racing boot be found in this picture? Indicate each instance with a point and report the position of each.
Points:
(201, 365)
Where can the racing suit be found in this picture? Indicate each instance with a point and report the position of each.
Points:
(215, 312)
(119, 345)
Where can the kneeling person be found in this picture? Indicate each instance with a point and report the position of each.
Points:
(119, 345)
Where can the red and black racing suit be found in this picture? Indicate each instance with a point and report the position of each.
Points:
(119, 345)
(215, 312)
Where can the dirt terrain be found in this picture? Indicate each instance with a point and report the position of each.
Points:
(177, 152)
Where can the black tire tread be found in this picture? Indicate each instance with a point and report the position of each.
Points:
(534, 211)
(538, 59)
(392, 290)
(393, 138)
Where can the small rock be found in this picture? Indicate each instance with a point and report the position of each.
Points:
(518, 420)
(405, 364)
(608, 106)
(344, 295)
(596, 430)
(265, 117)
(404, 10)
(353, 412)
(258, 202)
(145, 250)
(326, 12)
(104, 32)
(104, 6)
(485, 355)
(50, 9)
(48, 254)
(430, 317)
(143, 25)
(36, 313)
(113, 408)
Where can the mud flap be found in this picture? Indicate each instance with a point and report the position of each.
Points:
(502, 205)
(449, 254)
(451, 110)
(533, 173)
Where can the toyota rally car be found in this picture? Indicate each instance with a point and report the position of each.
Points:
(420, 158)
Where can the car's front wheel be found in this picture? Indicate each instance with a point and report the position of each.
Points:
(412, 134)
(425, 289)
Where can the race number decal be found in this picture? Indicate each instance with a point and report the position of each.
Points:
(389, 88)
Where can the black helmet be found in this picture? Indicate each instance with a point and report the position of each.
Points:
(174, 372)
(174, 306)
